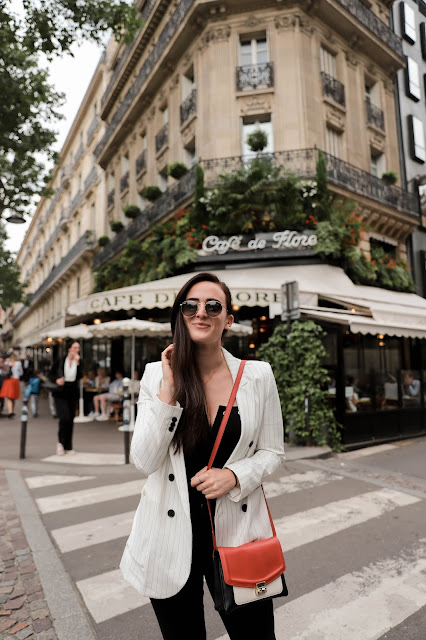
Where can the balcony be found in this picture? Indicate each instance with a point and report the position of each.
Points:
(124, 182)
(78, 155)
(171, 199)
(302, 162)
(162, 138)
(375, 115)
(373, 24)
(90, 179)
(92, 128)
(332, 88)
(76, 201)
(111, 199)
(141, 163)
(188, 107)
(82, 246)
(255, 76)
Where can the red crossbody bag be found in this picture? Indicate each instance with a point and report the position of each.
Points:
(253, 571)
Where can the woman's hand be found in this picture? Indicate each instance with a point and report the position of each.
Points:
(213, 483)
(167, 391)
(60, 382)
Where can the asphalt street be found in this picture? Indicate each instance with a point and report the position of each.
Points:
(352, 526)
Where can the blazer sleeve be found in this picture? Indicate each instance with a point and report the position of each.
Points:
(155, 424)
(269, 452)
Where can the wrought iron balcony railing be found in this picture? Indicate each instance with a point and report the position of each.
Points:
(141, 163)
(373, 23)
(162, 137)
(91, 178)
(124, 182)
(332, 88)
(255, 76)
(169, 201)
(188, 106)
(85, 243)
(111, 198)
(92, 128)
(302, 162)
(375, 115)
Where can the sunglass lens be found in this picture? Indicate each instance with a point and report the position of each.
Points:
(213, 308)
(189, 308)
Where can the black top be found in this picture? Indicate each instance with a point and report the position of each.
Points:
(200, 457)
(58, 371)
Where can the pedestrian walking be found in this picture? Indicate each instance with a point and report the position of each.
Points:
(32, 392)
(10, 388)
(4, 373)
(181, 403)
(66, 372)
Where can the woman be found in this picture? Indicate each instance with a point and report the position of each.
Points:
(181, 403)
(10, 388)
(66, 372)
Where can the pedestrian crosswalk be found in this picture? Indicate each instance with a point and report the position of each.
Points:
(324, 510)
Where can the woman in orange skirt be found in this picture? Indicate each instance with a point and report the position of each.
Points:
(10, 388)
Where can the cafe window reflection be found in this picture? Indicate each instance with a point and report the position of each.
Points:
(410, 388)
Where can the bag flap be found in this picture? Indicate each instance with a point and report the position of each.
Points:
(248, 564)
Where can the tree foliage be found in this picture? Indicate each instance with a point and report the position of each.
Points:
(296, 362)
(11, 289)
(29, 105)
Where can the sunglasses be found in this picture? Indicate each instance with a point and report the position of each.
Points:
(190, 307)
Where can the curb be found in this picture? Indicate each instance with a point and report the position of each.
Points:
(68, 616)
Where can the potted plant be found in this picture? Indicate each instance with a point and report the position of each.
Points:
(116, 226)
(390, 177)
(131, 211)
(257, 140)
(177, 170)
(103, 241)
(151, 193)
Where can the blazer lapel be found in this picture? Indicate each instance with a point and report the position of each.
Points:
(243, 397)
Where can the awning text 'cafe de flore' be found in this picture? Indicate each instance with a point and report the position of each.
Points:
(376, 338)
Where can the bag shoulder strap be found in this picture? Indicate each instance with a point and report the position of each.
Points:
(226, 414)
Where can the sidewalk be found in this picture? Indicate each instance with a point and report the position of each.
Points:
(24, 612)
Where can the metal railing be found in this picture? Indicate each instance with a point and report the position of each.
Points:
(373, 23)
(84, 244)
(332, 88)
(164, 38)
(375, 115)
(255, 76)
(302, 162)
(111, 198)
(124, 182)
(162, 137)
(188, 106)
(169, 201)
(141, 162)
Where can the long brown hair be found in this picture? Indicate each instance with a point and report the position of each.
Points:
(189, 388)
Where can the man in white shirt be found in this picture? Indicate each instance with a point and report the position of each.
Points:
(114, 394)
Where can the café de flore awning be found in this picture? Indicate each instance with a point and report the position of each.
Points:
(363, 309)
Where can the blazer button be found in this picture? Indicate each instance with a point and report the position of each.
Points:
(174, 419)
(251, 444)
(244, 508)
(171, 477)
(170, 513)
(171, 427)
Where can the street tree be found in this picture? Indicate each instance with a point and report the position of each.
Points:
(11, 289)
(29, 105)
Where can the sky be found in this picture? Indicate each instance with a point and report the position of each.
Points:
(69, 75)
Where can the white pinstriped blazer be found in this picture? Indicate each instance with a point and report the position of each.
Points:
(157, 556)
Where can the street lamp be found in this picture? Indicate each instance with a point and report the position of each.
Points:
(16, 218)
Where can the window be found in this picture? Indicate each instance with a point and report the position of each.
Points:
(142, 202)
(328, 62)
(188, 83)
(372, 92)
(408, 22)
(250, 124)
(124, 164)
(417, 138)
(423, 38)
(377, 164)
(333, 142)
(78, 286)
(412, 80)
(189, 155)
(253, 50)
(162, 180)
(165, 115)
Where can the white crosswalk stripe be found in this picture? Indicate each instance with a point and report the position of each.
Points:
(393, 588)
(87, 497)
(38, 482)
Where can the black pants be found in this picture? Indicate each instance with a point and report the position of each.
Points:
(66, 405)
(182, 615)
